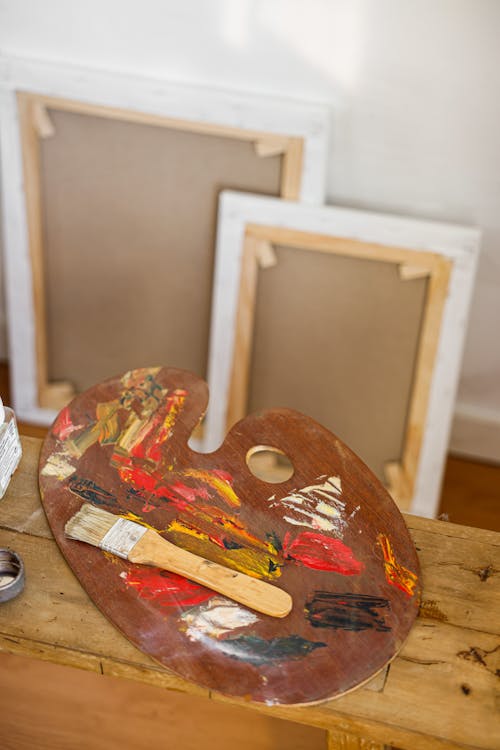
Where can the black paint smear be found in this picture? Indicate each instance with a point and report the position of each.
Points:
(133, 494)
(274, 539)
(273, 567)
(258, 651)
(229, 544)
(346, 611)
(90, 491)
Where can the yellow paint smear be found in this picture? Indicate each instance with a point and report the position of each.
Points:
(221, 486)
(252, 562)
(170, 419)
(133, 432)
(137, 519)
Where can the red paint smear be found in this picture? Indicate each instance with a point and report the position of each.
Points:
(178, 493)
(174, 403)
(322, 553)
(190, 493)
(224, 475)
(146, 481)
(138, 451)
(63, 426)
(167, 589)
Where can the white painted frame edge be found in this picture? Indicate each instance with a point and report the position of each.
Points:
(458, 244)
(129, 92)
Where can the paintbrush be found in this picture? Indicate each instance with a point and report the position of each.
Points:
(139, 544)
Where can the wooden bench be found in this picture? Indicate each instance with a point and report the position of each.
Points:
(440, 692)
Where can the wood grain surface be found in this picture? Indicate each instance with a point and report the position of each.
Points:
(330, 536)
(440, 692)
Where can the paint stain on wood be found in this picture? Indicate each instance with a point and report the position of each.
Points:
(429, 609)
(487, 659)
(486, 572)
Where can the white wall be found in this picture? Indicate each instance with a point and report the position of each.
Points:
(414, 89)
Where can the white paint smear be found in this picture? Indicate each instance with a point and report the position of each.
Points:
(318, 506)
(58, 466)
(215, 618)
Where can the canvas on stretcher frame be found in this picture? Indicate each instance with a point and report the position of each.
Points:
(257, 233)
(29, 89)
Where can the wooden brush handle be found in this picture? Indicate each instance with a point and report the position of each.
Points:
(152, 549)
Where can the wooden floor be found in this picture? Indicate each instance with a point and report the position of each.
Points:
(50, 707)
(46, 706)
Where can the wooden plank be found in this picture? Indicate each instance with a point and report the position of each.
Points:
(439, 693)
(469, 557)
(343, 741)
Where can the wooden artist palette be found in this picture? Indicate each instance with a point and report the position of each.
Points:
(330, 535)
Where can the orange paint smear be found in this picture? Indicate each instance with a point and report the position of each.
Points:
(395, 573)
(210, 519)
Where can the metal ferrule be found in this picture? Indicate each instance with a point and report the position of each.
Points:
(122, 537)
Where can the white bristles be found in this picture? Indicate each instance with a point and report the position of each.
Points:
(90, 524)
(108, 531)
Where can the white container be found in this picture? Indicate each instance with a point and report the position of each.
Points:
(10, 446)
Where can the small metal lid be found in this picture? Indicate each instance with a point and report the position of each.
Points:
(11, 574)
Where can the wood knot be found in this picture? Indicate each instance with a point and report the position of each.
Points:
(485, 573)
